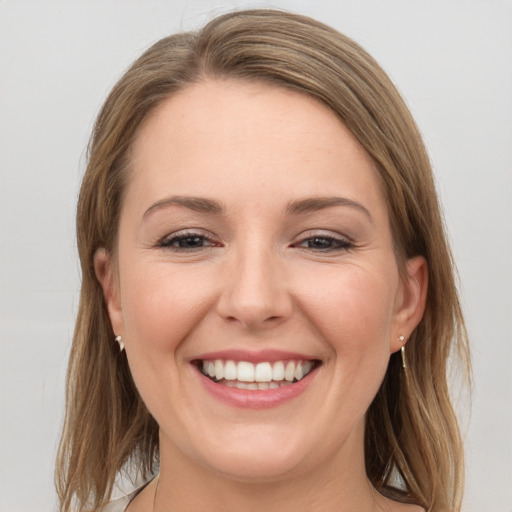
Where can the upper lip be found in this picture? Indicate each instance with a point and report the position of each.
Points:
(254, 356)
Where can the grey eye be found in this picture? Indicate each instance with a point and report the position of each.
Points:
(325, 243)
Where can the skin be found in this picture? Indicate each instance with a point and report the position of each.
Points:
(324, 282)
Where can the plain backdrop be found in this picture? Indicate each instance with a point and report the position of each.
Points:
(451, 59)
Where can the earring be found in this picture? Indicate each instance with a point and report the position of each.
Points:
(402, 350)
(121, 343)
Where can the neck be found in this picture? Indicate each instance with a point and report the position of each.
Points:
(338, 485)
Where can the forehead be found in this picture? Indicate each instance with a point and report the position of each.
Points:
(228, 137)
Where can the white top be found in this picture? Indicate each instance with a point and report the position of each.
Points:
(121, 504)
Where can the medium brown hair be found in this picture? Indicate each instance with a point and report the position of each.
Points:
(411, 428)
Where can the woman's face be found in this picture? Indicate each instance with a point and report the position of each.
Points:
(255, 246)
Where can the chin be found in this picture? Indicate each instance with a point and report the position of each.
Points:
(262, 467)
(252, 453)
(259, 453)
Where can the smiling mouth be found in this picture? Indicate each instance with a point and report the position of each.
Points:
(259, 376)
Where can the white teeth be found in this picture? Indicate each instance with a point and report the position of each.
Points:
(307, 367)
(219, 370)
(245, 371)
(255, 385)
(289, 373)
(298, 371)
(278, 371)
(264, 375)
(263, 372)
(230, 370)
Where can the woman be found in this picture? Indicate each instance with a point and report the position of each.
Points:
(268, 302)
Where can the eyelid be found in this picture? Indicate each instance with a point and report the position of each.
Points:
(166, 241)
(344, 241)
(325, 233)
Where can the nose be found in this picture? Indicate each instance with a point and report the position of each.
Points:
(255, 292)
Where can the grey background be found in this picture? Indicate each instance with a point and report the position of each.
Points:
(452, 59)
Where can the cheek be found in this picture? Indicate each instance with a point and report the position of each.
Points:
(355, 301)
(161, 309)
(353, 308)
(160, 306)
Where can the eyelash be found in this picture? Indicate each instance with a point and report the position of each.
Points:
(336, 244)
(329, 243)
(176, 238)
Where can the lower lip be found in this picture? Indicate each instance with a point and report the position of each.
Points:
(256, 399)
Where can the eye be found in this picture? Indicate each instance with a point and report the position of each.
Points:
(324, 243)
(187, 241)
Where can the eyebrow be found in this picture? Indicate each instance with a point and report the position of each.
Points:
(298, 207)
(197, 204)
(313, 204)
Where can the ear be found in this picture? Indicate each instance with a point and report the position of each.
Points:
(105, 273)
(411, 301)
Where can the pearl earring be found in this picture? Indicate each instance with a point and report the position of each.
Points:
(121, 343)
